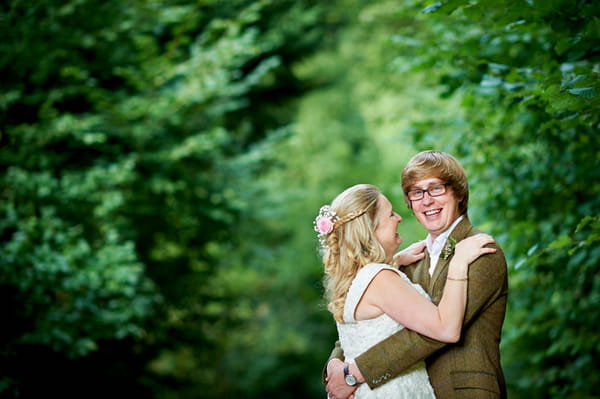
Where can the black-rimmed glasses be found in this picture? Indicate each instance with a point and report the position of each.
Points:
(433, 191)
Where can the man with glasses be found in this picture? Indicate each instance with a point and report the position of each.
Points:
(437, 192)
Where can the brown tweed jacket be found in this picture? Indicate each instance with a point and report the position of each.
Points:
(470, 368)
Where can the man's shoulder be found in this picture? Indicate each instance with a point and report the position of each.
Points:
(474, 230)
(466, 229)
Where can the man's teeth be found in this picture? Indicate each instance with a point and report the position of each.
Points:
(434, 212)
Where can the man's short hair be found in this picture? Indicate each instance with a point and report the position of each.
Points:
(437, 164)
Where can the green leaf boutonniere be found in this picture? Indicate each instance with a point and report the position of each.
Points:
(448, 250)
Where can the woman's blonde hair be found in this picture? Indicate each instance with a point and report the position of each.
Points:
(352, 244)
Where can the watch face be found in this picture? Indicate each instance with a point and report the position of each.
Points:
(350, 380)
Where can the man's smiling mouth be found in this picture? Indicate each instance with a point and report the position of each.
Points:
(432, 212)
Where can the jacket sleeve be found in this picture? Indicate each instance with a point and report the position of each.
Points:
(395, 354)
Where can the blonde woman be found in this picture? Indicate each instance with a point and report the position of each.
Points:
(371, 300)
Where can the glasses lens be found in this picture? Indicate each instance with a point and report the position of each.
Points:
(415, 195)
(438, 189)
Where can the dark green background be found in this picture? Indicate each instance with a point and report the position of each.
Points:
(162, 162)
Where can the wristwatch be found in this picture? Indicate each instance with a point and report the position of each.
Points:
(349, 378)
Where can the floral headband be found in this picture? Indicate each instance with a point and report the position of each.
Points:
(327, 220)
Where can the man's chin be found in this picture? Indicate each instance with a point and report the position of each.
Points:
(433, 228)
(429, 224)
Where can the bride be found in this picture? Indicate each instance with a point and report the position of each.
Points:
(371, 300)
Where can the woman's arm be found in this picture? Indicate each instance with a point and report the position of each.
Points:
(389, 293)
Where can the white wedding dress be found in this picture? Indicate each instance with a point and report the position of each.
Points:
(358, 336)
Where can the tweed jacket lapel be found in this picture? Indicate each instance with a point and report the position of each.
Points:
(433, 288)
(438, 280)
(419, 272)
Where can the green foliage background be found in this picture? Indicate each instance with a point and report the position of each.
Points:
(162, 163)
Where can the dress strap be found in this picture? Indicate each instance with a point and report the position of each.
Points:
(359, 285)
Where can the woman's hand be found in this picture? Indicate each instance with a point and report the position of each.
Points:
(473, 247)
(411, 254)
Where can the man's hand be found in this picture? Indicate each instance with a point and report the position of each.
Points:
(411, 254)
(336, 385)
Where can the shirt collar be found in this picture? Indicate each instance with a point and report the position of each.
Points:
(434, 247)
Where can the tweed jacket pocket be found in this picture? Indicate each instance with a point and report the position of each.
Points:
(475, 381)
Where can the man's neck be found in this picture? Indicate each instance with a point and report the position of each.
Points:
(435, 248)
(434, 236)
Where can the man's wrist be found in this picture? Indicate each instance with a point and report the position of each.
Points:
(355, 371)
(349, 378)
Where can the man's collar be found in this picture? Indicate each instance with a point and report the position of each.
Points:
(441, 239)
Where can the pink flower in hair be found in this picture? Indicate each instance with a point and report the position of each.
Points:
(324, 225)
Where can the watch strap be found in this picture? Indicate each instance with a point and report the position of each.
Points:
(349, 378)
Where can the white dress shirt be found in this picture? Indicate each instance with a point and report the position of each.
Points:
(434, 247)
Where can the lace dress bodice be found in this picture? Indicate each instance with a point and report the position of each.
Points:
(358, 336)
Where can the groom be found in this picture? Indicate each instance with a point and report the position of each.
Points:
(436, 190)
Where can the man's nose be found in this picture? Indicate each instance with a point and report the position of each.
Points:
(427, 198)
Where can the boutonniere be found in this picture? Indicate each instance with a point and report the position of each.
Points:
(448, 250)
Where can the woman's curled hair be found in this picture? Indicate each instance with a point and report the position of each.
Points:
(351, 244)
